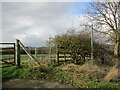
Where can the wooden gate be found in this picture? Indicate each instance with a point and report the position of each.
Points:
(10, 54)
(7, 54)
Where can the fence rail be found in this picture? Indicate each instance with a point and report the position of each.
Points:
(8, 43)
(6, 48)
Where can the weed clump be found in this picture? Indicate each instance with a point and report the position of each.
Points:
(112, 75)
(94, 72)
(42, 68)
(85, 76)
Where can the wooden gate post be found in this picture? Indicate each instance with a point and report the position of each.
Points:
(17, 53)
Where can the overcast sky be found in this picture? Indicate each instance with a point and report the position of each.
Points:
(34, 22)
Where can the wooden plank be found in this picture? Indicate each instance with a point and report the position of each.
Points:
(64, 56)
(8, 43)
(6, 53)
(6, 48)
(28, 53)
(8, 62)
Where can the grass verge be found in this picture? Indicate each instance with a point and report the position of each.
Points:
(23, 72)
(80, 77)
(77, 76)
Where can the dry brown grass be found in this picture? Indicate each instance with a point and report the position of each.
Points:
(78, 68)
(41, 68)
(78, 72)
(45, 61)
(113, 73)
(94, 71)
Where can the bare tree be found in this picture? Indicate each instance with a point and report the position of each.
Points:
(107, 15)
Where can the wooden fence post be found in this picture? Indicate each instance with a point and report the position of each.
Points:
(35, 52)
(29, 57)
(57, 54)
(17, 53)
(65, 57)
(14, 53)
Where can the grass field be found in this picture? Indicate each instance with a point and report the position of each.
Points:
(25, 56)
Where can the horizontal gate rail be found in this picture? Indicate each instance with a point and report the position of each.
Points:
(8, 62)
(6, 53)
(7, 43)
(6, 48)
(64, 56)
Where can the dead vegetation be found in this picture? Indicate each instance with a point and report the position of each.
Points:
(112, 75)
(108, 74)
(42, 68)
(85, 75)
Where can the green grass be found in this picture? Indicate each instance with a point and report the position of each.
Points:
(24, 57)
(108, 85)
(7, 56)
(54, 74)
(23, 72)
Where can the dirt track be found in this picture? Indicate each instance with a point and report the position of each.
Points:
(27, 83)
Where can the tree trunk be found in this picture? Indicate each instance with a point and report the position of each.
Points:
(116, 53)
(116, 49)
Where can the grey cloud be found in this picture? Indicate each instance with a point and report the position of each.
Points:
(35, 21)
